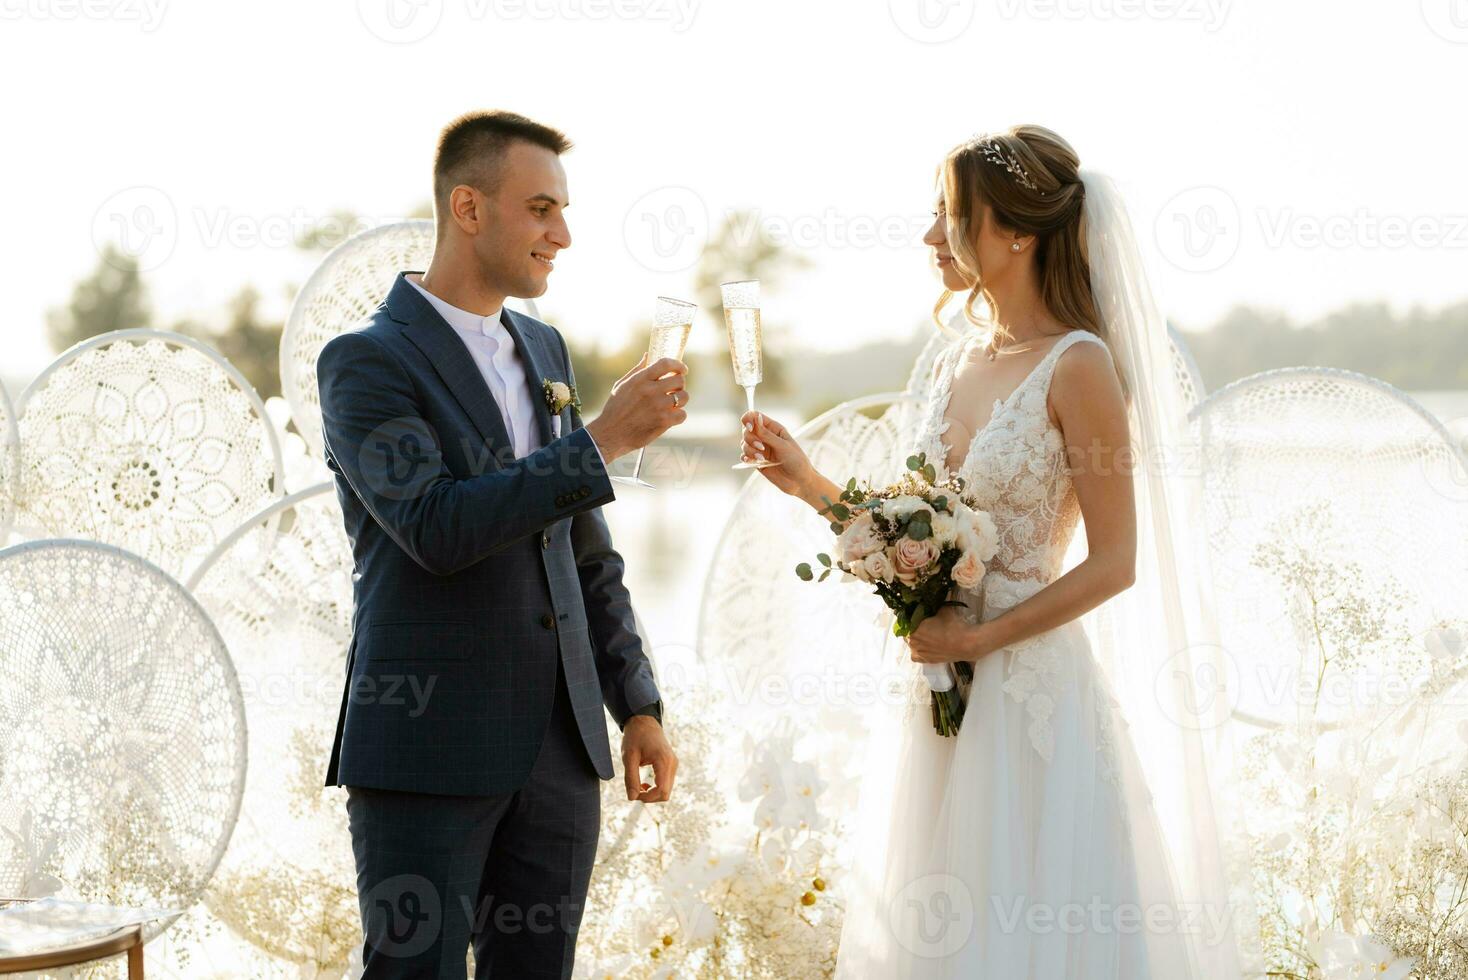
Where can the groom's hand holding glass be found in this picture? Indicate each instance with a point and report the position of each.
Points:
(645, 402)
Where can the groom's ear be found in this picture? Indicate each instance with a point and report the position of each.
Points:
(467, 208)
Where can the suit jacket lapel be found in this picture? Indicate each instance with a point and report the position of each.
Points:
(534, 359)
(450, 358)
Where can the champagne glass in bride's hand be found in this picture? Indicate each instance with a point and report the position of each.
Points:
(741, 315)
(672, 321)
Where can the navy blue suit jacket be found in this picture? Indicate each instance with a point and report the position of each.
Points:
(474, 572)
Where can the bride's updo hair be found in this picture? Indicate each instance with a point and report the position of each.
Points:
(1030, 178)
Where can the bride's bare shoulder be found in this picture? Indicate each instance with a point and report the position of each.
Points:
(947, 354)
(1084, 379)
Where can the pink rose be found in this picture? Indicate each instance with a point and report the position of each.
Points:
(912, 557)
(860, 539)
(968, 571)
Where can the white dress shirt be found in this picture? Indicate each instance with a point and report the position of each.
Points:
(493, 350)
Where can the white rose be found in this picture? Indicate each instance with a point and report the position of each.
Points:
(903, 507)
(978, 534)
(879, 567)
(560, 391)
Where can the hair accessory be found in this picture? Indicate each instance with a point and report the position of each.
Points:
(995, 152)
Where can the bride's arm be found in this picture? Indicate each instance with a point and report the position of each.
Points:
(1088, 404)
(764, 438)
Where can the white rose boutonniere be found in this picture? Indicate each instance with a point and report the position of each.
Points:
(559, 396)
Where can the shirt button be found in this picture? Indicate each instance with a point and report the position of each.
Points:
(548, 622)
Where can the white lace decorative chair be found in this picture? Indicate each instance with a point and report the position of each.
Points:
(9, 464)
(348, 285)
(280, 590)
(147, 440)
(1185, 369)
(1319, 480)
(122, 731)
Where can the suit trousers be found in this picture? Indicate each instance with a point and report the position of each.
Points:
(508, 873)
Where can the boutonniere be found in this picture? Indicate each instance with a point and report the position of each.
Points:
(558, 396)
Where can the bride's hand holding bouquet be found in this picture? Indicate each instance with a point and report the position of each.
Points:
(916, 542)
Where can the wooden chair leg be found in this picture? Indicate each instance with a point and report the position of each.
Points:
(135, 963)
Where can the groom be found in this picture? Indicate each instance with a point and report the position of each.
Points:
(491, 625)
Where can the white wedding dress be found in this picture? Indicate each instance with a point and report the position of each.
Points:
(1026, 846)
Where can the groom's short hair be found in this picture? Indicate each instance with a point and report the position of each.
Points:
(471, 149)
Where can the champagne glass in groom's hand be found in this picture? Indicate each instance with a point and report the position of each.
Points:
(672, 321)
(645, 402)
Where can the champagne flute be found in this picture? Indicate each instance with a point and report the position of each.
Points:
(741, 316)
(672, 321)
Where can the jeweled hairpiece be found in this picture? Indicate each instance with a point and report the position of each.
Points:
(995, 152)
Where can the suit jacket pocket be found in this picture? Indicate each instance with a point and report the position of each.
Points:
(433, 639)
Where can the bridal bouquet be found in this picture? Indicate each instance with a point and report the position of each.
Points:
(915, 540)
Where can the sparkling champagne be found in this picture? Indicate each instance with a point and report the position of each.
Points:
(672, 322)
(745, 344)
(668, 341)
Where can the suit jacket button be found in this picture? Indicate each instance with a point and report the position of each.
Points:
(548, 622)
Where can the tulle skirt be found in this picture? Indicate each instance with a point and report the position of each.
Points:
(1025, 846)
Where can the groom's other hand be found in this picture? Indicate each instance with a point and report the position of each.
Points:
(644, 744)
(645, 402)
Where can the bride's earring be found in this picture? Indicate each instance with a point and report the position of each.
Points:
(1014, 246)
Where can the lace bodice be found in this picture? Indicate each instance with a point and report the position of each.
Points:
(1014, 467)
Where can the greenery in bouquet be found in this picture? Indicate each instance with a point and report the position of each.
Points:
(914, 542)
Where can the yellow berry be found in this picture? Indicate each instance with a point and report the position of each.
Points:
(667, 940)
(820, 884)
(808, 898)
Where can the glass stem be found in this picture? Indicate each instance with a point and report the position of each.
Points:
(637, 470)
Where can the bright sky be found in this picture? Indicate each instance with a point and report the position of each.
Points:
(1298, 155)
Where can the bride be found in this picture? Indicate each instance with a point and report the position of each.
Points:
(1038, 842)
